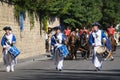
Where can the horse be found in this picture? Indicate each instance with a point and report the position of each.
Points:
(71, 45)
(113, 42)
(84, 45)
(67, 42)
(78, 44)
(112, 46)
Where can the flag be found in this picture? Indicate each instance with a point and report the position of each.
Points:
(21, 21)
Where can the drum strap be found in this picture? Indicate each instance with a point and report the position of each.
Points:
(56, 39)
(6, 40)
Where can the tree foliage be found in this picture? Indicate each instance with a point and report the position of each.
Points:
(110, 11)
(75, 13)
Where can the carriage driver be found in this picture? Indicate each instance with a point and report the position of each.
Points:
(57, 40)
(95, 40)
(7, 41)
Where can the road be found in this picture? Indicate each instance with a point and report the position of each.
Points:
(73, 70)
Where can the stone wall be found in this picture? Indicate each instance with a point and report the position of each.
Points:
(30, 42)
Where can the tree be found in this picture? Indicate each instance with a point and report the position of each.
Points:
(82, 13)
(75, 13)
(110, 11)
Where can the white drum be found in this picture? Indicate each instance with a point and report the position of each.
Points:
(101, 49)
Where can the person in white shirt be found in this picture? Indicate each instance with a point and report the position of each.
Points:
(7, 41)
(96, 39)
(56, 41)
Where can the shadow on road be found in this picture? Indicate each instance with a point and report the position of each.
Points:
(69, 74)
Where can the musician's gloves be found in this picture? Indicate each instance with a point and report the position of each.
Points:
(93, 45)
(12, 44)
(104, 40)
(56, 45)
(4, 46)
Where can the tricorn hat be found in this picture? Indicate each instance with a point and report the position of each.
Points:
(7, 28)
(57, 28)
(95, 24)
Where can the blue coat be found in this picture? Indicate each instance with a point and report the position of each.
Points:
(3, 41)
(107, 44)
(91, 38)
(53, 39)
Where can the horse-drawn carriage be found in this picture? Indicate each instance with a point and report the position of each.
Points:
(77, 43)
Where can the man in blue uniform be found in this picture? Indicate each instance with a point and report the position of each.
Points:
(95, 40)
(7, 41)
(57, 41)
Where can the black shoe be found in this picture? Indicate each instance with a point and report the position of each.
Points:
(97, 69)
(56, 68)
(112, 59)
(60, 70)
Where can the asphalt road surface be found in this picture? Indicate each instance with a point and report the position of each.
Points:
(73, 70)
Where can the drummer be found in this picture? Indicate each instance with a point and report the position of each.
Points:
(95, 40)
(7, 41)
(56, 40)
